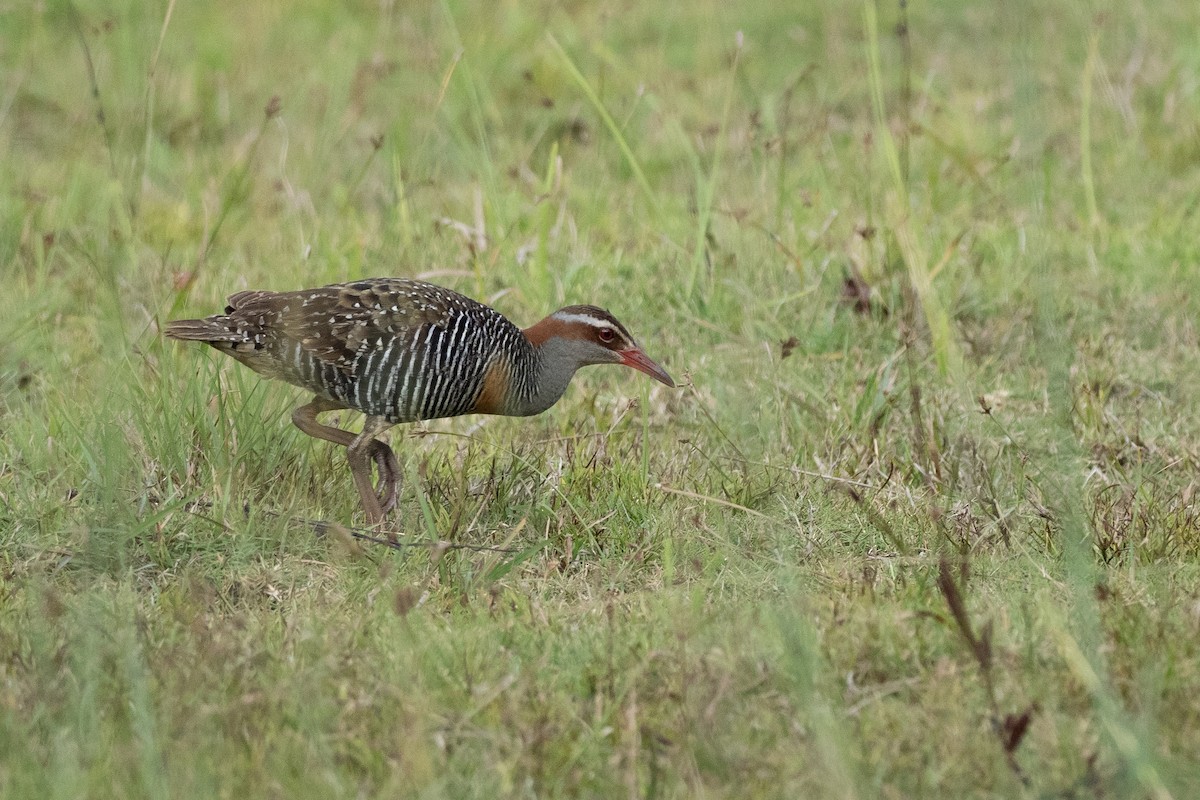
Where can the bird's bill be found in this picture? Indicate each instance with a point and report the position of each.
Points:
(636, 358)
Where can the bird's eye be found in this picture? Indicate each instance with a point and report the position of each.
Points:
(606, 335)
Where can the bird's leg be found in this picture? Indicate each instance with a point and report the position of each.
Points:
(358, 453)
(389, 475)
(305, 418)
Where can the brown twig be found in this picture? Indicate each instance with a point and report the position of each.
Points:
(322, 527)
(1010, 729)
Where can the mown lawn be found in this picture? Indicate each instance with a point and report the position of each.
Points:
(920, 522)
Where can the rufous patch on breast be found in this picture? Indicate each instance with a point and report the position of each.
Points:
(494, 389)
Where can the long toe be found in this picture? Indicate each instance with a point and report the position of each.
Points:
(389, 476)
(359, 454)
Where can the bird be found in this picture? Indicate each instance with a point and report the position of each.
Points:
(402, 350)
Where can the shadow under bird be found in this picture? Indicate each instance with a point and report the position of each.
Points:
(402, 350)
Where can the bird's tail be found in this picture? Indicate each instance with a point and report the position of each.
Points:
(210, 329)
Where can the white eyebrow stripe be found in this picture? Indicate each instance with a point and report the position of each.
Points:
(587, 319)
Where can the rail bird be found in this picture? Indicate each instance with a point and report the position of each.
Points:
(401, 350)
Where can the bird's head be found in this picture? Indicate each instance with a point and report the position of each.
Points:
(591, 335)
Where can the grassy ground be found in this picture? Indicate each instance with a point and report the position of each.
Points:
(938, 540)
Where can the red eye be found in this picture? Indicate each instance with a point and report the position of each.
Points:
(606, 335)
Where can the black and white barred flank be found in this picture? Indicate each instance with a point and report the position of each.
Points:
(400, 349)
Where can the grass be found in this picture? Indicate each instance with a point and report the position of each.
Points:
(921, 521)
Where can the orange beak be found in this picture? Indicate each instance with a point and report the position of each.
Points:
(634, 357)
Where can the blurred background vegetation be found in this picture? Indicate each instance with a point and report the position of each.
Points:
(920, 523)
